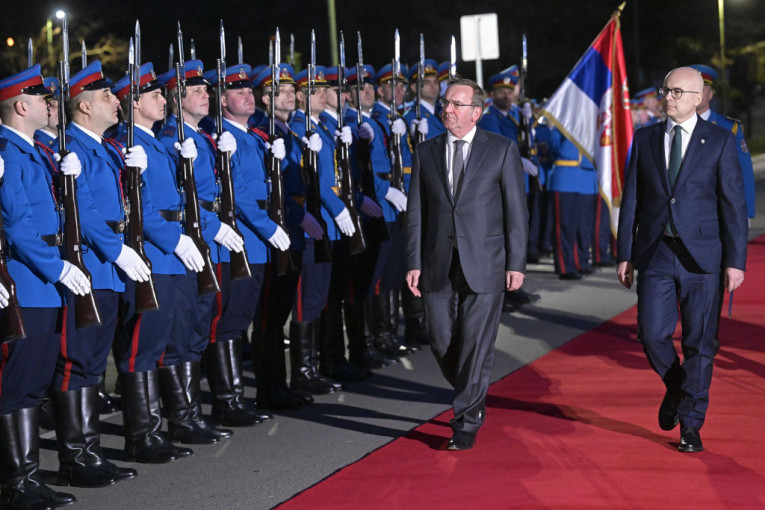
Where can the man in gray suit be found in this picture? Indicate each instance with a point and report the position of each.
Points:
(467, 224)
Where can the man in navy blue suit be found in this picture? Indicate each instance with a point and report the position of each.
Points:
(683, 226)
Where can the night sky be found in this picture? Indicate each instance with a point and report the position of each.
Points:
(658, 34)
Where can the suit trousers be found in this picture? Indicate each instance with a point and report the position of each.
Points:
(462, 327)
(672, 280)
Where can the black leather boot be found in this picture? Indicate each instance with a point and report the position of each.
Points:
(106, 404)
(75, 465)
(414, 319)
(14, 491)
(27, 421)
(332, 362)
(191, 374)
(155, 414)
(91, 432)
(142, 440)
(180, 425)
(377, 326)
(314, 361)
(303, 376)
(220, 375)
(360, 340)
(235, 354)
(271, 372)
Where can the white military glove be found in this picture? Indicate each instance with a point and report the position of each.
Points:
(189, 254)
(529, 167)
(226, 142)
(74, 279)
(311, 227)
(4, 295)
(277, 148)
(280, 240)
(229, 239)
(398, 127)
(135, 157)
(420, 125)
(345, 223)
(188, 148)
(370, 207)
(344, 135)
(70, 165)
(366, 132)
(526, 110)
(2, 170)
(314, 143)
(132, 264)
(396, 198)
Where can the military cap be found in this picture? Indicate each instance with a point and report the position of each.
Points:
(368, 74)
(51, 83)
(646, 93)
(503, 80)
(332, 77)
(193, 71)
(443, 71)
(301, 78)
(263, 78)
(708, 73)
(147, 82)
(431, 69)
(89, 78)
(386, 73)
(29, 82)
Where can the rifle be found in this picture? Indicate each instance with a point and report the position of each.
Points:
(11, 323)
(358, 243)
(377, 228)
(284, 263)
(525, 147)
(207, 281)
(322, 247)
(420, 78)
(145, 292)
(85, 308)
(240, 265)
(394, 141)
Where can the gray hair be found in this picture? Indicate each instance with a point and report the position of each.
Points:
(479, 96)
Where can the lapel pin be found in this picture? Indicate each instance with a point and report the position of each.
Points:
(703, 141)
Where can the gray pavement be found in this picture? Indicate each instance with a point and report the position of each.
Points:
(264, 465)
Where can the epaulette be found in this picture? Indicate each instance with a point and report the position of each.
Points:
(168, 131)
(3, 143)
(732, 119)
(260, 133)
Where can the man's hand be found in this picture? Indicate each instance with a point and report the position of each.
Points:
(366, 132)
(312, 227)
(413, 279)
(370, 207)
(396, 198)
(625, 272)
(733, 278)
(513, 280)
(188, 148)
(226, 142)
(135, 157)
(277, 148)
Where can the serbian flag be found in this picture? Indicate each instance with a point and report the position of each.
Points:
(592, 109)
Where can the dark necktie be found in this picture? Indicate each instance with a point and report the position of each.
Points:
(457, 164)
(675, 155)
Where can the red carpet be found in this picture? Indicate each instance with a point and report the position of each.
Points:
(577, 429)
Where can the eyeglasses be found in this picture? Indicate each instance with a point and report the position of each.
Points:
(677, 93)
(446, 102)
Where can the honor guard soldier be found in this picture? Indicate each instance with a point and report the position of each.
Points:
(144, 336)
(359, 316)
(574, 189)
(223, 359)
(279, 290)
(383, 302)
(313, 286)
(332, 360)
(32, 220)
(207, 310)
(735, 127)
(47, 135)
(92, 108)
(499, 117)
(256, 119)
(649, 99)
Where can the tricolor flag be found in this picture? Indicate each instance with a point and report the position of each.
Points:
(592, 109)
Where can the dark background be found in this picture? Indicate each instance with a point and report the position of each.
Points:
(658, 35)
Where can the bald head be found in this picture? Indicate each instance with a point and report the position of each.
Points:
(683, 87)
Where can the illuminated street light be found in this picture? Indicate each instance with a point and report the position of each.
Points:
(60, 14)
(10, 41)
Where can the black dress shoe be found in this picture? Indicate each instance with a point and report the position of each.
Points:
(570, 276)
(461, 441)
(690, 440)
(668, 417)
(521, 297)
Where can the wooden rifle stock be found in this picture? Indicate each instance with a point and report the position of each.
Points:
(358, 243)
(85, 308)
(145, 292)
(284, 263)
(377, 228)
(240, 266)
(11, 323)
(322, 247)
(207, 281)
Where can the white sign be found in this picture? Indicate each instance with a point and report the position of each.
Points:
(479, 37)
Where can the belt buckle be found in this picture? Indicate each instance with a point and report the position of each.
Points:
(59, 238)
(121, 226)
(216, 205)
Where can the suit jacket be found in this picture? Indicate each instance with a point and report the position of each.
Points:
(487, 219)
(707, 203)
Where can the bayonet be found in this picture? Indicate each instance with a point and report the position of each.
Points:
(395, 67)
(84, 54)
(292, 50)
(181, 78)
(453, 60)
(170, 57)
(193, 49)
(30, 54)
(138, 62)
(359, 76)
(222, 38)
(240, 50)
(65, 46)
